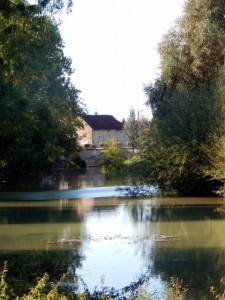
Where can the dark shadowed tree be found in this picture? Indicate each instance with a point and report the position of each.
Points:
(39, 104)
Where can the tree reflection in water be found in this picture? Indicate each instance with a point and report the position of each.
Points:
(126, 228)
(197, 257)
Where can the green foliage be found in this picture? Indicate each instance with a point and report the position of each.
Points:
(176, 290)
(156, 94)
(185, 145)
(217, 294)
(39, 104)
(4, 290)
(135, 129)
(50, 7)
(113, 158)
(181, 147)
(193, 51)
(136, 169)
(132, 129)
(37, 292)
(44, 290)
(203, 31)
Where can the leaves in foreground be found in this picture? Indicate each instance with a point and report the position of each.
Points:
(137, 290)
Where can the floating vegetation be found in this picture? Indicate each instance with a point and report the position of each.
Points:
(64, 241)
(75, 240)
(129, 239)
(167, 238)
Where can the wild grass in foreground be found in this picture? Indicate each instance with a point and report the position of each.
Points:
(46, 290)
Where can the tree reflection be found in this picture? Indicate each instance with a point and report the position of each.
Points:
(147, 210)
(25, 267)
(29, 226)
(197, 257)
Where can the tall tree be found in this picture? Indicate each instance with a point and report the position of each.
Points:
(193, 51)
(183, 148)
(39, 104)
(132, 129)
(182, 145)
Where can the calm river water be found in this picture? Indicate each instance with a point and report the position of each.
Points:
(79, 221)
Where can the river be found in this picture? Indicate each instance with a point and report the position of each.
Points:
(80, 222)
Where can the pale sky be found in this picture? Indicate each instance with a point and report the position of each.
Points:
(113, 46)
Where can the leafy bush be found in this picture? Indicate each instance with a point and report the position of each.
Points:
(113, 161)
(45, 290)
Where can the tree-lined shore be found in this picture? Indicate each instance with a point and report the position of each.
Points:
(182, 151)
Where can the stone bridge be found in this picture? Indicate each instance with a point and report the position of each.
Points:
(92, 156)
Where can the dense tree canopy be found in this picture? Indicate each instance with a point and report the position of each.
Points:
(193, 51)
(39, 104)
(185, 143)
(50, 7)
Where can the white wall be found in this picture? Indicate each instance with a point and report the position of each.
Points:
(85, 134)
(88, 136)
(102, 136)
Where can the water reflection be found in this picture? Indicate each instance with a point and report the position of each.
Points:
(62, 180)
(115, 237)
(197, 256)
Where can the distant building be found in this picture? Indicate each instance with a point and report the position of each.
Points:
(99, 129)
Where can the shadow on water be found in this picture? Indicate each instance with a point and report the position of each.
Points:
(87, 223)
(198, 268)
(62, 180)
(25, 267)
(197, 254)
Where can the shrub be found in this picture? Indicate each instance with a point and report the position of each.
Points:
(113, 161)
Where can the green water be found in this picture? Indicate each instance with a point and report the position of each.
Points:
(100, 235)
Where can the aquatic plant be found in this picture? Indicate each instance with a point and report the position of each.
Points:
(5, 292)
(44, 290)
(138, 290)
(137, 191)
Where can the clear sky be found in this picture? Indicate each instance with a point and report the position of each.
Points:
(113, 46)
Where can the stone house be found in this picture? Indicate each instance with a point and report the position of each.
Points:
(98, 129)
